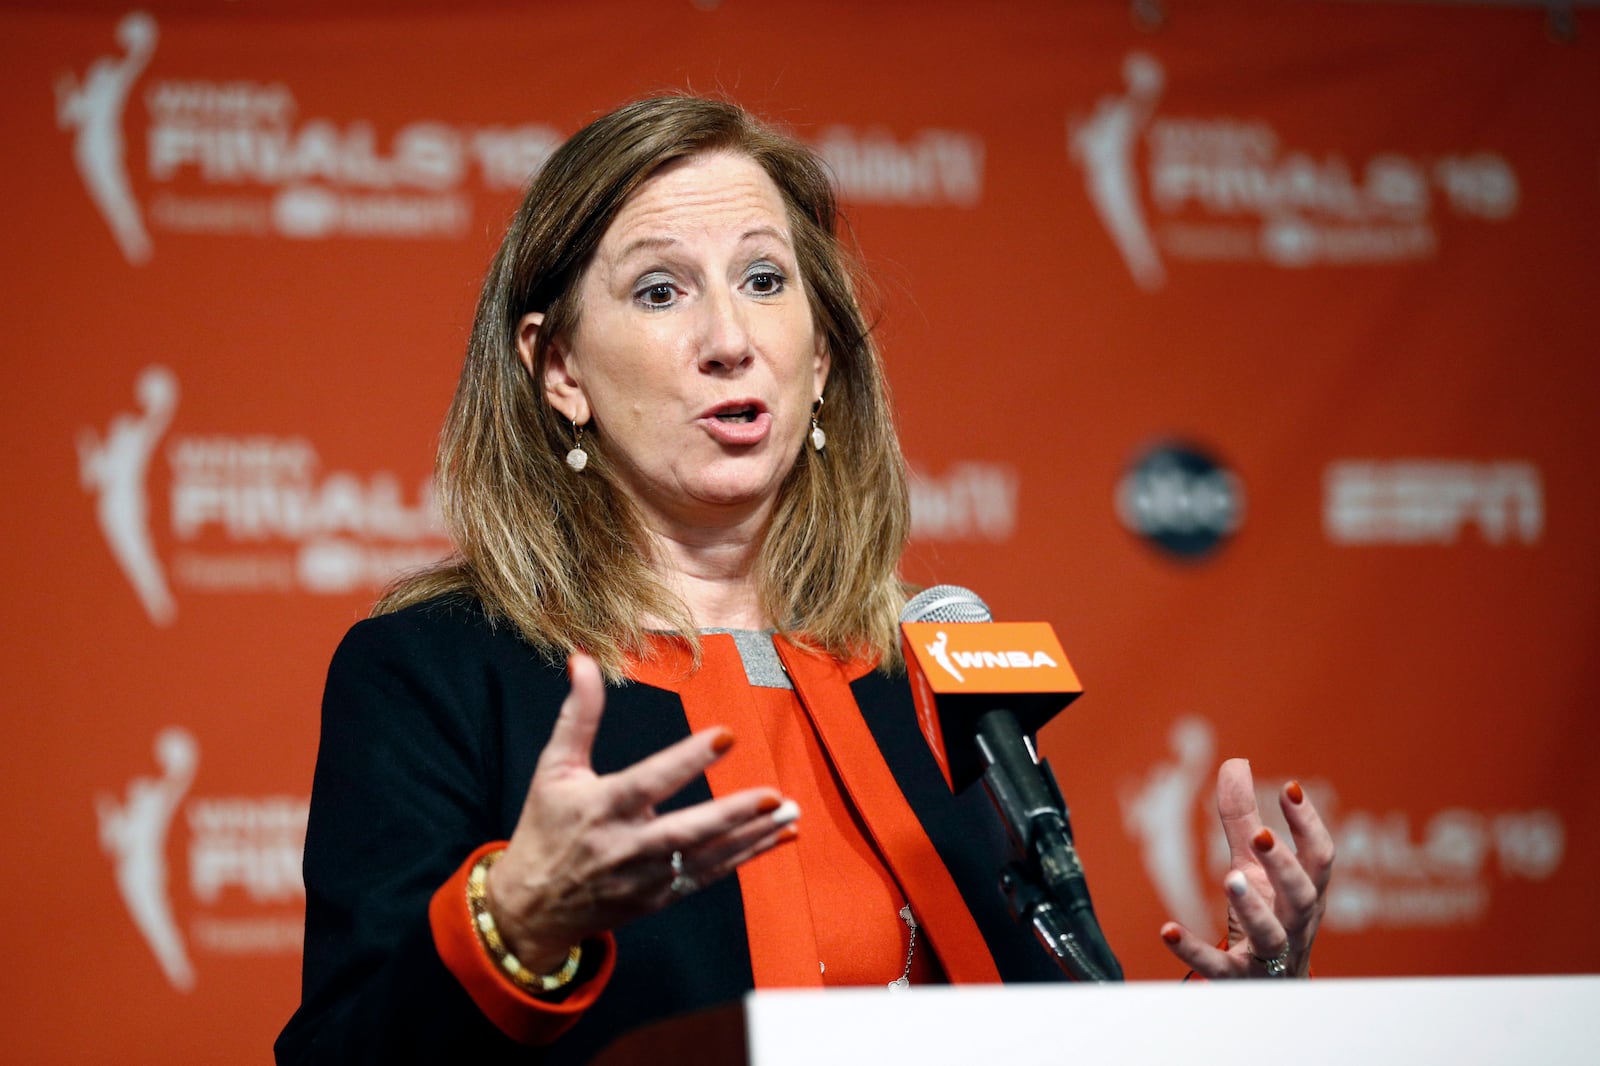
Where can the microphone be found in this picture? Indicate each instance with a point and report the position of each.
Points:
(959, 671)
(982, 689)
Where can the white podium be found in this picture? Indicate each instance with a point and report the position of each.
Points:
(1458, 1021)
(1543, 1021)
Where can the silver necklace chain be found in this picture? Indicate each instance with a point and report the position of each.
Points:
(904, 980)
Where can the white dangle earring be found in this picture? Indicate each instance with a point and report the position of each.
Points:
(819, 439)
(577, 458)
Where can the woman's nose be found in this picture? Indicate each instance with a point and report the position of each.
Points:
(725, 343)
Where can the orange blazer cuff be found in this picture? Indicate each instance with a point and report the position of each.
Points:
(524, 1018)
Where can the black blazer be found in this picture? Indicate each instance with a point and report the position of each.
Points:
(432, 721)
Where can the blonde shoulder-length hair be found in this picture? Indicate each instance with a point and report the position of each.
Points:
(563, 556)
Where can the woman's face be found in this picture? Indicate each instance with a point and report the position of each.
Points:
(694, 358)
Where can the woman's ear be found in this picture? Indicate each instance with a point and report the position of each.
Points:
(561, 388)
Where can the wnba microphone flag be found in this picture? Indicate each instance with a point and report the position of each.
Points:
(961, 669)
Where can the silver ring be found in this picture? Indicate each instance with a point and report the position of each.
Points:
(682, 883)
(1278, 965)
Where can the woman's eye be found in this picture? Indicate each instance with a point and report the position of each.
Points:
(659, 294)
(766, 283)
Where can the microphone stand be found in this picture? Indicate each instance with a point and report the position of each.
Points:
(1044, 884)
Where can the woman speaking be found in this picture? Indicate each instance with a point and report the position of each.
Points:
(666, 652)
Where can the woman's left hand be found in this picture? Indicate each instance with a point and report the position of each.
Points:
(1276, 894)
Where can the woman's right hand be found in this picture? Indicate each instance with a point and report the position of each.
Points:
(590, 853)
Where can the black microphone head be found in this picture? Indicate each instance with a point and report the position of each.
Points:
(946, 603)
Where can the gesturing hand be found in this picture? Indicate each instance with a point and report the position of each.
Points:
(1276, 896)
(590, 853)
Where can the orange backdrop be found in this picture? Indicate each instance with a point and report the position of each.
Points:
(1254, 351)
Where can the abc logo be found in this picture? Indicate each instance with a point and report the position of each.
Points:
(1181, 499)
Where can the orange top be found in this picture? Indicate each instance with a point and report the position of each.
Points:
(845, 893)
(787, 925)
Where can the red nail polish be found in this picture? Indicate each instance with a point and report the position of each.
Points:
(723, 742)
(1171, 934)
(768, 804)
(1296, 794)
(1263, 840)
(788, 833)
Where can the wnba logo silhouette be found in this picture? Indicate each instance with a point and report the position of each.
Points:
(1159, 813)
(1103, 146)
(133, 833)
(115, 468)
(93, 109)
(941, 656)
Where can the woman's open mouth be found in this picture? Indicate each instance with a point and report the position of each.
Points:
(738, 423)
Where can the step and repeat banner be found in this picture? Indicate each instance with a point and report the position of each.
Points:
(1255, 350)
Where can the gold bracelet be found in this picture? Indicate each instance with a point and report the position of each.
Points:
(489, 937)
